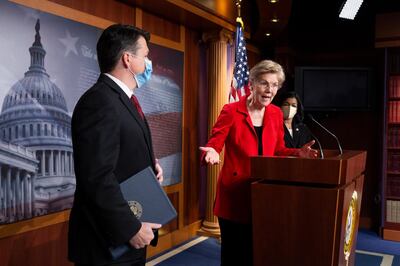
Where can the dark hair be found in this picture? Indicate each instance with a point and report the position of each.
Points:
(298, 118)
(115, 40)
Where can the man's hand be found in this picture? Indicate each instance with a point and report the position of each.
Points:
(160, 172)
(212, 156)
(307, 152)
(144, 236)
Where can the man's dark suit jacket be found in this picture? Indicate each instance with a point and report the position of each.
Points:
(111, 142)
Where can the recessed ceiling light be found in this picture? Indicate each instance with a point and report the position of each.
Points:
(273, 1)
(350, 9)
(268, 34)
(274, 20)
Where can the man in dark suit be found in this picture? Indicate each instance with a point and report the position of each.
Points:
(111, 142)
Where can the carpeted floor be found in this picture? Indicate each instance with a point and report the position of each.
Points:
(202, 251)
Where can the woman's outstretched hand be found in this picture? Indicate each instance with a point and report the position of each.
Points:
(307, 152)
(211, 155)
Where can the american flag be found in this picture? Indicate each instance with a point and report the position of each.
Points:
(240, 80)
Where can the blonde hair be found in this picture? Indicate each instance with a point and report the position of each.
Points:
(267, 66)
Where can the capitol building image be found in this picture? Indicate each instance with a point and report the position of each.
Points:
(36, 159)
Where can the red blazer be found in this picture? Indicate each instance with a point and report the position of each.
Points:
(234, 128)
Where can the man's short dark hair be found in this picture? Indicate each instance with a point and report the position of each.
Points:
(116, 40)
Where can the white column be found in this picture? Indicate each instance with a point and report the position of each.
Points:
(8, 195)
(23, 196)
(51, 163)
(62, 160)
(13, 198)
(1, 194)
(55, 159)
(43, 165)
(31, 184)
(28, 203)
(56, 166)
(65, 163)
(59, 163)
(72, 164)
(18, 194)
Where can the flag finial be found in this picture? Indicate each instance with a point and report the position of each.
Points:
(239, 18)
(238, 6)
(240, 80)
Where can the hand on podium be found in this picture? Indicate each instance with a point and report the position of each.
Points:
(307, 152)
(144, 236)
(211, 155)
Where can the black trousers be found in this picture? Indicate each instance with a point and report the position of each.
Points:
(139, 261)
(130, 263)
(236, 243)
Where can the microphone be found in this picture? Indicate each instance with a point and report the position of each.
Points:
(319, 145)
(329, 132)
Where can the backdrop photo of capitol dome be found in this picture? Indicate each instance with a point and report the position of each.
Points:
(47, 63)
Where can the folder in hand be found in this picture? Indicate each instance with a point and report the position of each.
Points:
(147, 200)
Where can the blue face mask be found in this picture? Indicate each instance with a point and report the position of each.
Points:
(146, 75)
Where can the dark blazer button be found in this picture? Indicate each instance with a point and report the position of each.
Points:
(234, 173)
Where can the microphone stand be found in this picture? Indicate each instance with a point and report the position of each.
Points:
(330, 133)
(319, 146)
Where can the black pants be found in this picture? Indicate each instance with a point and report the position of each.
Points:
(141, 261)
(236, 243)
(118, 264)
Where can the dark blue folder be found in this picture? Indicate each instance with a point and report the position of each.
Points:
(147, 201)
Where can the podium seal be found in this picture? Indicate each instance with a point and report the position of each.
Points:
(136, 208)
(350, 226)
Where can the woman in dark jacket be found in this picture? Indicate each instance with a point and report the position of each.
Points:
(296, 132)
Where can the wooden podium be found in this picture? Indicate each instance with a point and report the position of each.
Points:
(306, 211)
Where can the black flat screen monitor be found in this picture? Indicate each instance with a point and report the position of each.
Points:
(333, 88)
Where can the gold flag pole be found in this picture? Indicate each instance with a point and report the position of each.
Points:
(239, 17)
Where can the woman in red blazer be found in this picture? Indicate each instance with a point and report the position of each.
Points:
(250, 127)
